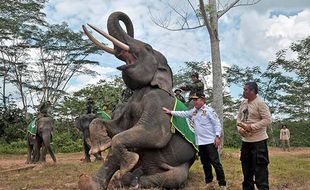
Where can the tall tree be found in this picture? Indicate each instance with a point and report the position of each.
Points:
(296, 90)
(18, 20)
(207, 16)
(60, 53)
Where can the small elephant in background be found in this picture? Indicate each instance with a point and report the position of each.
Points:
(40, 143)
(82, 124)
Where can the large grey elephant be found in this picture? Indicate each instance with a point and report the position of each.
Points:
(82, 124)
(40, 144)
(143, 148)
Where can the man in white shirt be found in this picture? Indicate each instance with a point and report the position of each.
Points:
(207, 130)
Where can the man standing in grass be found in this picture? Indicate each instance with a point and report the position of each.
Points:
(207, 136)
(285, 138)
(252, 122)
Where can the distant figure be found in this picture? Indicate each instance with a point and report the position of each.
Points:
(90, 106)
(285, 138)
(196, 86)
(178, 95)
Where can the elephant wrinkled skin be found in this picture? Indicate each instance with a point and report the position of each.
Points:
(143, 149)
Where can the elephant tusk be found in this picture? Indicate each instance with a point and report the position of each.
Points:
(111, 38)
(97, 43)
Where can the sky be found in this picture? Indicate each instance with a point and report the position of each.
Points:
(249, 35)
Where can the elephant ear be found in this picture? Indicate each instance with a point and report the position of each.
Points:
(163, 75)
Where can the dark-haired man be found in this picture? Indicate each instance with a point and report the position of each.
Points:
(252, 122)
(196, 86)
(207, 136)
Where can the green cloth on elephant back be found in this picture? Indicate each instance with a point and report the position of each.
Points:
(183, 124)
(32, 128)
(104, 115)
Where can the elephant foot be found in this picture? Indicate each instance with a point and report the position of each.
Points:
(130, 180)
(129, 160)
(87, 183)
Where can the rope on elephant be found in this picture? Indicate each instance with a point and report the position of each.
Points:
(32, 128)
(183, 124)
(104, 115)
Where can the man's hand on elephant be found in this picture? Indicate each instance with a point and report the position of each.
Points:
(167, 111)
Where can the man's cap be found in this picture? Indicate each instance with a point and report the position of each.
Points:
(175, 91)
(198, 95)
(195, 74)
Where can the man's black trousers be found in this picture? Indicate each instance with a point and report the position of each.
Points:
(254, 159)
(209, 156)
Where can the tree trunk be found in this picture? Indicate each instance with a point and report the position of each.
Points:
(3, 92)
(216, 64)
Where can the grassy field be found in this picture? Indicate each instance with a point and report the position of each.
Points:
(288, 171)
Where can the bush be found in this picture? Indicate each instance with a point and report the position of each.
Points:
(63, 142)
(231, 138)
(18, 147)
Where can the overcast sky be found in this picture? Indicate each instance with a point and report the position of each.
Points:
(249, 35)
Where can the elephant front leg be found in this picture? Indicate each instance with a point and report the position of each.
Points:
(86, 152)
(30, 151)
(137, 137)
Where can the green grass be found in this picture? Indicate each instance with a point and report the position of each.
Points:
(287, 171)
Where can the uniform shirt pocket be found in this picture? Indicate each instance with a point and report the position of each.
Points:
(203, 120)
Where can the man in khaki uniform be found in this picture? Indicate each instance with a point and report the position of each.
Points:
(252, 122)
(196, 86)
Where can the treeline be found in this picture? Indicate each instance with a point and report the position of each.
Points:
(67, 139)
